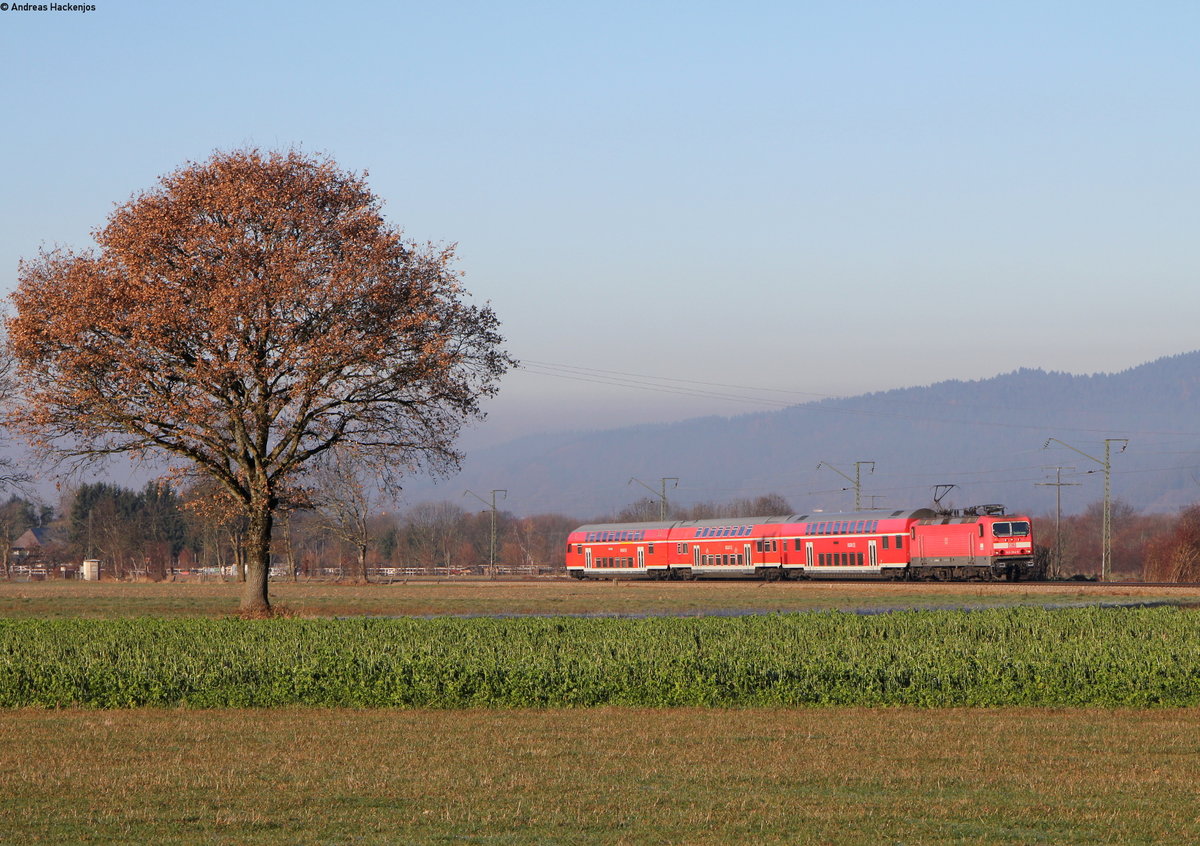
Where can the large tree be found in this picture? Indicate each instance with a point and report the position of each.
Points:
(245, 316)
(11, 474)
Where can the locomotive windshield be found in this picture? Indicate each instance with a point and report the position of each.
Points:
(1008, 530)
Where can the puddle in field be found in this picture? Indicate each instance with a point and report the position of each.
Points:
(1189, 605)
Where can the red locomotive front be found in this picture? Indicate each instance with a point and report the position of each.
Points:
(973, 546)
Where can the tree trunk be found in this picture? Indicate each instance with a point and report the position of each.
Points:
(258, 559)
(362, 565)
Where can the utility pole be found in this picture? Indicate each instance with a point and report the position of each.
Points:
(492, 545)
(1106, 532)
(857, 480)
(662, 497)
(1058, 485)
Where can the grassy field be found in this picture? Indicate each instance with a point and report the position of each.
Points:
(562, 596)
(601, 776)
(612, 775)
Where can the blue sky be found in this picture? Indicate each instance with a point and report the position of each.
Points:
(774, 201)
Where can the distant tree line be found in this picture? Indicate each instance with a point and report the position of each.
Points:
(155, 532)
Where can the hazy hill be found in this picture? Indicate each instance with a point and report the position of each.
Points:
(985, 436)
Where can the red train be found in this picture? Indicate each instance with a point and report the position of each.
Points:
(975, 543)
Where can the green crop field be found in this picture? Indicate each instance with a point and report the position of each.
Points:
(148, 713)
(993, 658)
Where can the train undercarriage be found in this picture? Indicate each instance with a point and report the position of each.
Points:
(999, 570)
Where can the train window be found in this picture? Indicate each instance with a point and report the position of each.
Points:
(981, 530)
(899, 541)
(885, 541)
(1007, 530)
(650, 548)
(860, 559)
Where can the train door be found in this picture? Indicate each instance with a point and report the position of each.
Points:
(587, 557)
(746, 549)
(873, 553)
(808, 554)
(641, 557)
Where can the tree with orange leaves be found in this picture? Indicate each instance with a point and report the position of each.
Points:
(244, 317)
(11, 475)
